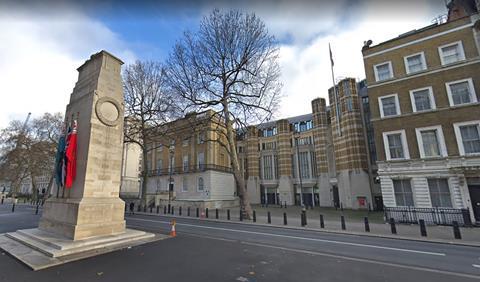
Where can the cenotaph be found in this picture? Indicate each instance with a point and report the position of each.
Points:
(87, 218)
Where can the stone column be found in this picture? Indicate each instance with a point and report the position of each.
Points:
(253, 169)
(92, 207)
(285, 185)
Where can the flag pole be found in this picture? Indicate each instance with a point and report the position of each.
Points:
(335, 98)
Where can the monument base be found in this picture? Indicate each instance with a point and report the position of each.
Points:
(40, 249)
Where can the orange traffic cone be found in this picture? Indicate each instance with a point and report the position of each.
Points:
(173, 233)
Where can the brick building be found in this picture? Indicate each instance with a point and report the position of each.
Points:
(423, 88)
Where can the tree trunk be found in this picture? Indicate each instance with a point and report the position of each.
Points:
(242, 191)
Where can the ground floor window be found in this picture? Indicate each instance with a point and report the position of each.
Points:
(439, 192)
(403, 192)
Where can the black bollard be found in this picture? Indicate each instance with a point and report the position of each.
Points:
(173, 210)
(393, 228)
(206, 212)
(254, 216)
(145, 208)
(180, 211)
(151, 209)
(158, 209)
(342, 219)
(241, 215)
(228, 214)
(423, 229)
(36, 210)
(456, 230)
(322, 223)
(169, 208)
(197, 212)
(13, 207)
(188, 211)
(269, 217)
(139, 208)
(304, 214)
(367, 225)
(164, 209)
(2, 200)
(284, 218)
(216, 213)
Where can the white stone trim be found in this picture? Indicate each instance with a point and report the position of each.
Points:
(418, 40)
(430, 94)
(389, 68)
(406, 153)
(462, 52)
(440, 138)
(446, 68)
(422, 58)
(397, 105)
(473, 95)
(458, 135)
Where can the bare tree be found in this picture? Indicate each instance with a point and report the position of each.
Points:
(230, 66)
(29, 151)
(147, 107)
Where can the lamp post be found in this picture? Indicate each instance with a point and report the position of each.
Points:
(298, 169)
(171, 151)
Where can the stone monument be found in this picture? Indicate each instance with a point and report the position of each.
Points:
(89, 215)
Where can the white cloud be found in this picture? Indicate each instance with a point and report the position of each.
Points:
(39, 57)
(306, 67)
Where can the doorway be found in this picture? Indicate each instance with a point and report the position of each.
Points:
(475, 199)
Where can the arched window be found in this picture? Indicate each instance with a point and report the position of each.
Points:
(200, 184)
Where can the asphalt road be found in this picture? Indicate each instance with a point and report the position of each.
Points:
(214, 251)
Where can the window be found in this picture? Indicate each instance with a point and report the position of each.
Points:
(269, 145)
(383, 71)
(268, 167)
(403, 192)
(267, 132)
(159, 164)
(431, 142)
(303, 126)
(304, 167)
(349, 104)
(171, 165)
(439, 192)
(422, 99)
(395, 143)
(201, 161)
(201, 137)
(415, 63)
(389, 105)
(185, 163)
(185, 142)
(200, 186)
(451, 53)
(185, 184)
(461, 92)
(468, 137)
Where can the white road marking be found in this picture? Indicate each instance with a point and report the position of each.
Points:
(300, 238)
(365, 260)
(476, 265)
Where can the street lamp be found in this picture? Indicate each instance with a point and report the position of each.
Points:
(171, 151)
(298, 168)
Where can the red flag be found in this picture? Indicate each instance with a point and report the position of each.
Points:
(71, 155)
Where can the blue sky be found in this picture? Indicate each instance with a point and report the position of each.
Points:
(44, 42)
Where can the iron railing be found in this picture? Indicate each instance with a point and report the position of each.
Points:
(189, 169)
(438, 216)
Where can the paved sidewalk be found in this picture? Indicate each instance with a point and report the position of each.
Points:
(354, 222)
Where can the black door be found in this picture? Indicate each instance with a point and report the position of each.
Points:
(475, 198)
(378, 203)
(336, 197)
(307, 199)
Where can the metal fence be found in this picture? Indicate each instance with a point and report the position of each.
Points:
(439, 216)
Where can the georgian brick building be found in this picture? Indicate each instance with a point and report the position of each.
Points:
(424, 89)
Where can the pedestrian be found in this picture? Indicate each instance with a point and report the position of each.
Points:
(132, 207)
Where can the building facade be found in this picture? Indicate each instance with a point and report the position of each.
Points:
(423, 90)
(317, 159)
